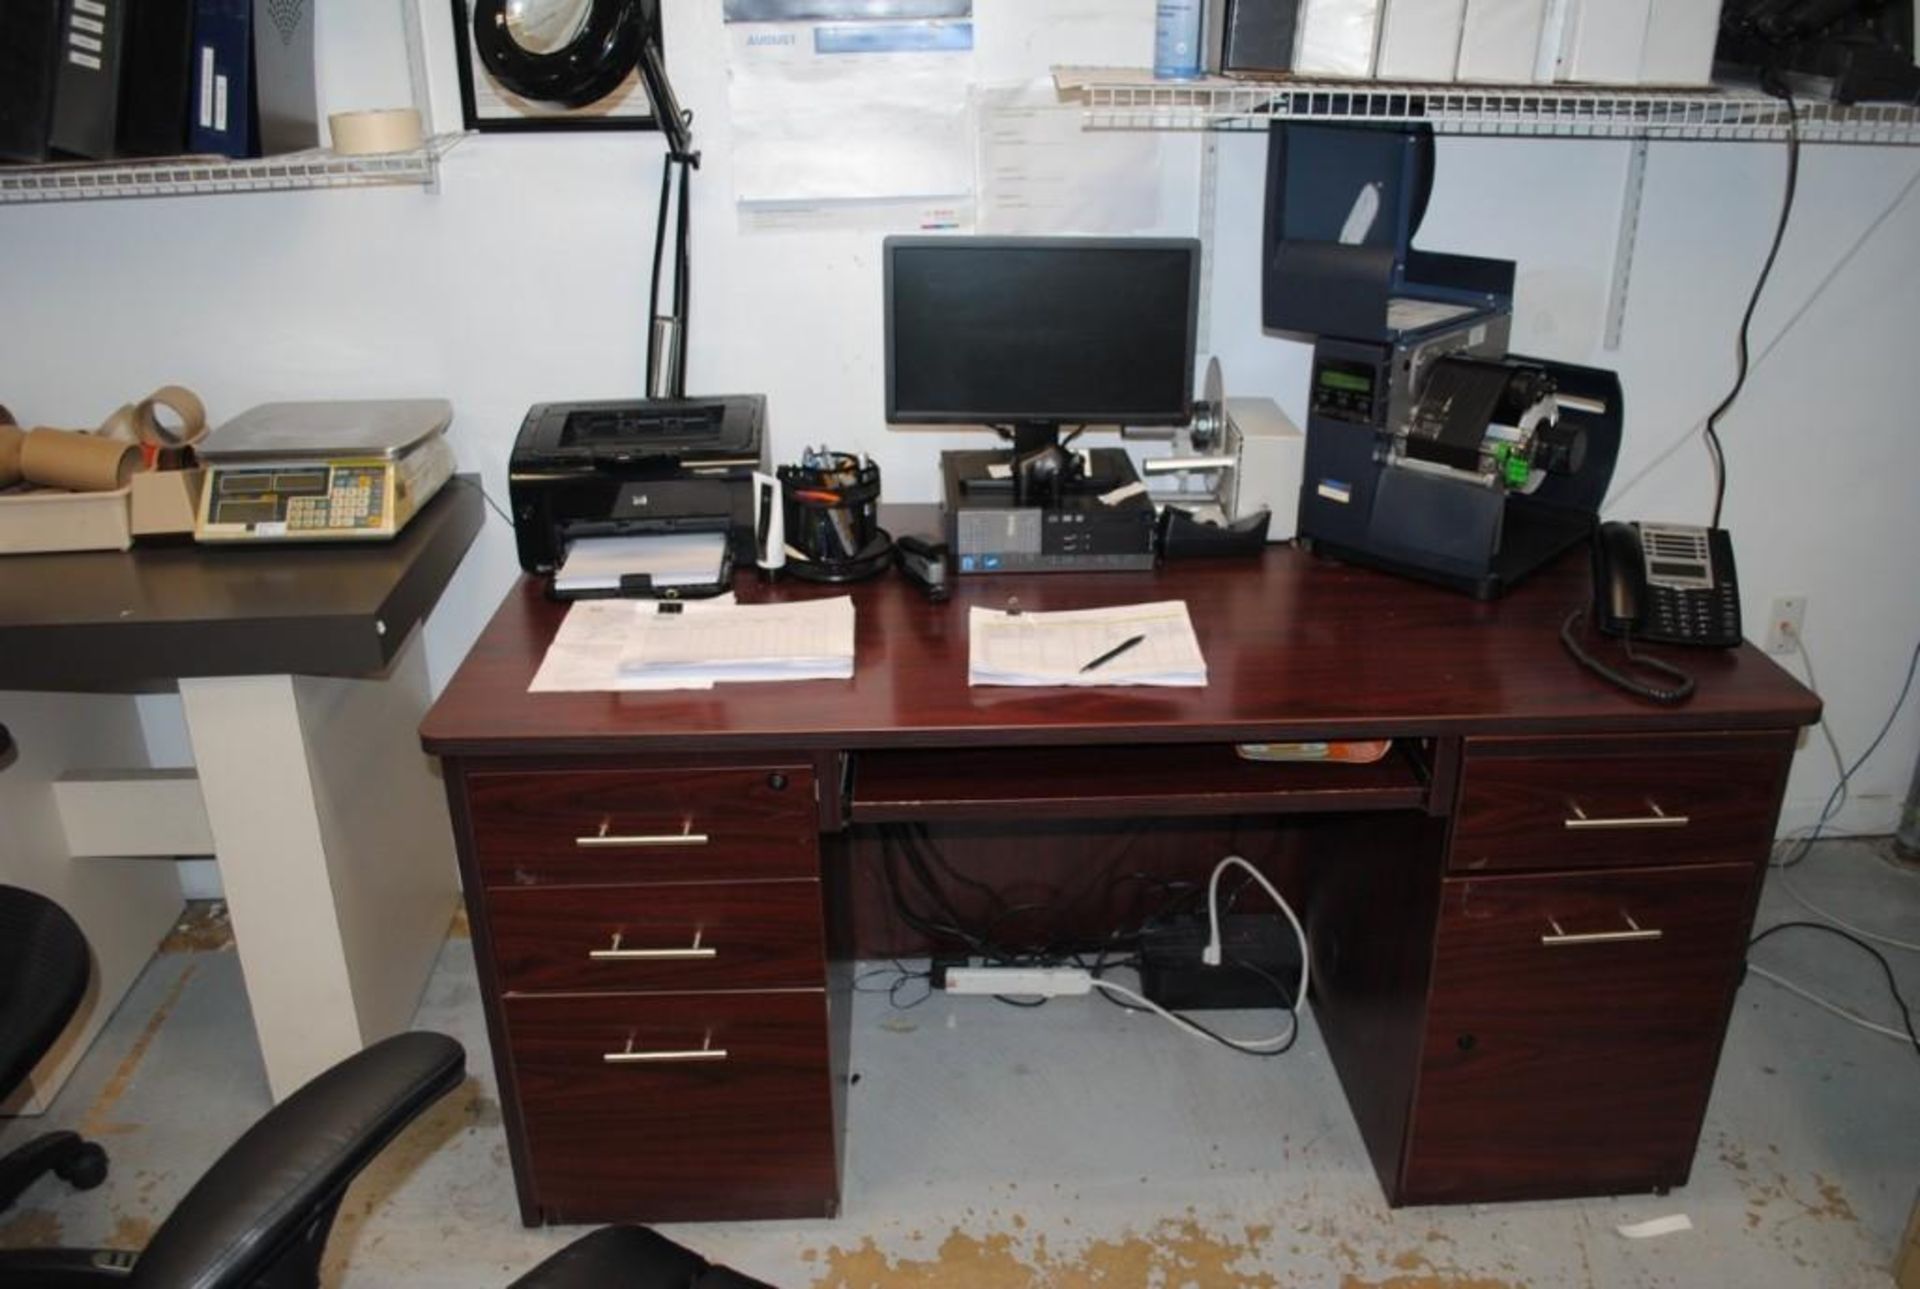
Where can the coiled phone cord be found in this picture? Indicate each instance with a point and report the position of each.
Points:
(1673, 697)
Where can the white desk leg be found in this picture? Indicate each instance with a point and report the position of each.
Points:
(330, 827)
(125, 906)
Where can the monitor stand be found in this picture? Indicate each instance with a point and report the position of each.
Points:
(1039, 470)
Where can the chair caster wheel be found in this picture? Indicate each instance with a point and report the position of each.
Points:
(85, 1169)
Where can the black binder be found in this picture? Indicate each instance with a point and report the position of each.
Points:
(29, 48)
(86, 93)
(156, 77)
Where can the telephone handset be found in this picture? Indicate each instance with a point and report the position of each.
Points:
(1660, 584)
(1666, 584)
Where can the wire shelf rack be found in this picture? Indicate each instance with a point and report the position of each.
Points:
(192, 177)
(1130, 99)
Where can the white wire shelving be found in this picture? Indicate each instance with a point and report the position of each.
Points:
(1131, 99)
(192, 177)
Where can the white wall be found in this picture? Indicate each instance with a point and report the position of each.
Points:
(524, 279)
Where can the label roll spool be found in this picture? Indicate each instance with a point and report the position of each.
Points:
(77, 462)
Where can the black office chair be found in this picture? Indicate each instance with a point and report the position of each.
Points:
(44, 967)
(260, 1217)
(631, 1257)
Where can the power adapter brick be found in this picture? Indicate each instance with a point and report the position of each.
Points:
(1172, 974)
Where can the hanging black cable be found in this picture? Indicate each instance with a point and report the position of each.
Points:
(1776, 85)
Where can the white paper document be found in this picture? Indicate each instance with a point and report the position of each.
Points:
(808, 640)
(586, 651)
(850, 112)
(1133, 644)
(666, 559)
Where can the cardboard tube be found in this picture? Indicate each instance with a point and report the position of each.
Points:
(11, 437)
(183, 403)
(76, 461)
(120, 425)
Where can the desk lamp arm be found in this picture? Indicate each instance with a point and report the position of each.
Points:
(666, 330)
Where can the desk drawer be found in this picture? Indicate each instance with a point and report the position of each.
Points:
(1553, 803)
(606, 827)
(1573, 1027)
(687, 936)
(721, 1110)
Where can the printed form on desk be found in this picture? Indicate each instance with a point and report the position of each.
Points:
(609, 645)
(1086, 647)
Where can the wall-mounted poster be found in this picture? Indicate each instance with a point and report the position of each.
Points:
(514, 54)
(843, 10)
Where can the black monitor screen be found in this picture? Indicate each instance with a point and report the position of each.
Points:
(1061, 329)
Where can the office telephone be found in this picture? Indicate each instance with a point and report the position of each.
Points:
(1659, 584)
(1666, 584)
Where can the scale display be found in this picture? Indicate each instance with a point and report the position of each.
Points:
(347, 499)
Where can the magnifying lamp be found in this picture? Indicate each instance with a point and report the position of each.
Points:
(575, 52)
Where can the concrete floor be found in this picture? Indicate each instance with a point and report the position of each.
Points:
(1077, 1145)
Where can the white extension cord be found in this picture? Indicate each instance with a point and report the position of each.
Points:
(1069, 982)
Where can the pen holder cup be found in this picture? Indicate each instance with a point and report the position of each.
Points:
(832, 515)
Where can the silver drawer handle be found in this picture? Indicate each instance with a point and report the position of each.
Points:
(1658, 819)
(685, 837)
(614, 953)
(705, 1052)
(1633, 932)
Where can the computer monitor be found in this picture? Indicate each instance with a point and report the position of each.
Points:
(1027, 334)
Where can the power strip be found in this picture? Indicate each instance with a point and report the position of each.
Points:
(1020, 982)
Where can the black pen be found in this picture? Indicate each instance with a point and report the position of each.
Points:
(1114, 652)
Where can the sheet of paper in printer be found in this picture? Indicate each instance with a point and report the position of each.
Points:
(624, 645)
(670, 559)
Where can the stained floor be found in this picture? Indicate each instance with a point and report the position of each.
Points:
(1077, 1145)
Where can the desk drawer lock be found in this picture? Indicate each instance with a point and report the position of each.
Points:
(602, 840)
(1633, 932)
(693, 952)
(1657, 819)
(705, 1052)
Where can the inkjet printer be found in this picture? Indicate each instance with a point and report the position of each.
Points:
(651, 497)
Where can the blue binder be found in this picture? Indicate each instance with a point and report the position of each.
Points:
(221, 112)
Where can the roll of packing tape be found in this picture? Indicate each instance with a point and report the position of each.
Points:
(11, 439)
(77, 461)
(365, 134)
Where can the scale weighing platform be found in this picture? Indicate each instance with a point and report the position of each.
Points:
(323, 471)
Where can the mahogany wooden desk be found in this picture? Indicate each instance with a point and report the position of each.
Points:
(1527, 923)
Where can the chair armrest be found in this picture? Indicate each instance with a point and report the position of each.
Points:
(286, 1174)
(64, 1268)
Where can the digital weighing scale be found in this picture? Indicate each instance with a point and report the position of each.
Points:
(324, 471)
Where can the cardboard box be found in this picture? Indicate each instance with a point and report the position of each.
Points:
(48, 520)
(165, 502)
(1420, 40)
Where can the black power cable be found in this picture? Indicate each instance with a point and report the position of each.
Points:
(1886, 968)
(1774, 85)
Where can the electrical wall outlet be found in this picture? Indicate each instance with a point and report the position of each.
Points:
(1784, 623)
